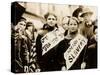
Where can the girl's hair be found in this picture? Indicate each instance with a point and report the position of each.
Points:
(66, 17)
(29, 24)
(47, 14)
(22, 19)
(73, 18)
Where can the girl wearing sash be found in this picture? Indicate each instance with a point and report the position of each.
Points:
(73, 31)
(48, 61)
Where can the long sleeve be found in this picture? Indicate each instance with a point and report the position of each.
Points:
(38, 47)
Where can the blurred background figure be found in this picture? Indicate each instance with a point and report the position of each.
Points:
(92, 49)
(65, 21)
(30, 30)
(19, 48)
(21, 25)
(31, 44)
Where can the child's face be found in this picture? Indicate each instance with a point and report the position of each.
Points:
(87, 17)
(73, 26)
(51, 20)
(30, 28)
(22, 25)
(65, 23)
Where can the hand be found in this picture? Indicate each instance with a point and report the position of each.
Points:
(83, 65)
(23, 37)
(63, 68)
(37, 70)
(26, 69)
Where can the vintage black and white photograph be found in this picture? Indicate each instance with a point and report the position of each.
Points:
(48, 37)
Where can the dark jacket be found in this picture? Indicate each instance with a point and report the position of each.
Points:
(62, 48)
(19, 53)
(91, 54)
(48, 61)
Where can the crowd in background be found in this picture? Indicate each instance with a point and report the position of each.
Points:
(27, 46)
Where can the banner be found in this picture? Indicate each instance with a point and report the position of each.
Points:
(51, 39)
(74, 50)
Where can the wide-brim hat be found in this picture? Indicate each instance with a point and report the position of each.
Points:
(86, 11)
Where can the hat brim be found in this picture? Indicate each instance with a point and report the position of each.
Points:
(82, 15)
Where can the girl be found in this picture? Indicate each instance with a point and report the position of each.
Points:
(48, 61)
(73, 31)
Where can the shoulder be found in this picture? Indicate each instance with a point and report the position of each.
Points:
(42, 32)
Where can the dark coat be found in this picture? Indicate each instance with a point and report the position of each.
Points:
(62, 48)
(91, 54)
(48, 61)
(19, 53)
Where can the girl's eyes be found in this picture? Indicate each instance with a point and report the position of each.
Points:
(73, 24)
(65, 24)
(22, 24)
(51, 19)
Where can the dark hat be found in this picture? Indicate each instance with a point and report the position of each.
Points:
(29, 24)
(76, 12)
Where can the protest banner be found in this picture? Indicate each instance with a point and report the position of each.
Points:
(51, 39)
(74, 50)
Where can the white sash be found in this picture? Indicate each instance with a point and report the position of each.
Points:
(74, 50)
(51, 39)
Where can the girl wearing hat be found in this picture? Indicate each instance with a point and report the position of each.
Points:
(73, 31)
(87, 24)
